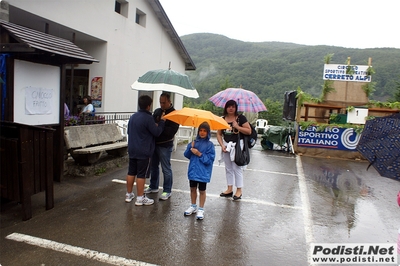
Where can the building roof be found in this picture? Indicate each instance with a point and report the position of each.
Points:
(167, 25)
(154, 4)
(31, 41)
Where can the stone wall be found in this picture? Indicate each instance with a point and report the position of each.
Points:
(104, 164)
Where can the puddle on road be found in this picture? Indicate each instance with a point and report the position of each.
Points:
(349, 204)
(341, 184)
(338, 191)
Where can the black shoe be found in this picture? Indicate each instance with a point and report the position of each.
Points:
(227, 195)
(237, 198)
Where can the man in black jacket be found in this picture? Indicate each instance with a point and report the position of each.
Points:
(163, 150)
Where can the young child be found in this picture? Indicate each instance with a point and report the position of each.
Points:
(201, 153)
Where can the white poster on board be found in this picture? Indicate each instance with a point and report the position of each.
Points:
(36, 93)
(346, 73)
(38, 101)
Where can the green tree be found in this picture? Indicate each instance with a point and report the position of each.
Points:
(397, 93)
(226, 84)
(207, 104)
(270, 68)
(274, 113)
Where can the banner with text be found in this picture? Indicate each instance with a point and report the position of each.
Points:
(38, 101)
(330, 138)
(338, 72)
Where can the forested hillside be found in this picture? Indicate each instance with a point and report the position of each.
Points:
(271, 68)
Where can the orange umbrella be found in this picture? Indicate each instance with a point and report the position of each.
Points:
(194, 117)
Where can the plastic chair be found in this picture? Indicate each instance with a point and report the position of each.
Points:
(184, 133)
(261, 125)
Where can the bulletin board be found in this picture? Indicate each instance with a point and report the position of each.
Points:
(36, 93)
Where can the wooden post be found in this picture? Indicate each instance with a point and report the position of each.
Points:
(347, 83)
(298, 116)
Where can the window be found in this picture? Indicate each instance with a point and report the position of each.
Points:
(121, 7)
(118, 7)
(140, 18)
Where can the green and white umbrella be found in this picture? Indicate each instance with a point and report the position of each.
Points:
(166, 80)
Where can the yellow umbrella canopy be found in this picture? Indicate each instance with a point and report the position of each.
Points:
(194, 117)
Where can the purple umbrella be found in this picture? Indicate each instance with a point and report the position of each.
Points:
(247, 101)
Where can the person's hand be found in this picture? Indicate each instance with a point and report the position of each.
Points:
(223, 147)
(195, 151)
(398, 198)
(234, 124)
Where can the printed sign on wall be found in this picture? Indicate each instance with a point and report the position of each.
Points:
(339, 73)
(330, 138)
(97, 91)
(38, 101)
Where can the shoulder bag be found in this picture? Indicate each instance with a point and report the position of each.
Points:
(252, 138)
(242, 157)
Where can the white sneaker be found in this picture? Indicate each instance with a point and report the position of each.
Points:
(190, 210)
(129, 197)
(165, 196)
(200, 214)
(148, 190)
(144, 201)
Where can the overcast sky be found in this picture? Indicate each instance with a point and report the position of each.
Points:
(344, 23)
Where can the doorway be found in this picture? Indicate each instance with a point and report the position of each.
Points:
(77, 82)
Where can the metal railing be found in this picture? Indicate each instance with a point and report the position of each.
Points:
(106, 117)
(97, 118)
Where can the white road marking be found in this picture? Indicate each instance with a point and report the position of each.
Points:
(308, 224)
(247, 169)
(262, 202)
(78, 251)
(271, 172)
(120, 181)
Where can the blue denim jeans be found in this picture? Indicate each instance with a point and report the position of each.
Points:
(162, 155)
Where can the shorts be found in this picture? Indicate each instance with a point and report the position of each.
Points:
(139, 167)
(202, 185)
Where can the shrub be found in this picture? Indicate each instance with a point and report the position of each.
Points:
(72, 120)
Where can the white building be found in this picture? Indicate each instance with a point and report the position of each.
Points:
(127, 37)
(65, 49)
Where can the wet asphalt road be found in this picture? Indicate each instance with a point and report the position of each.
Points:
(288, 202)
